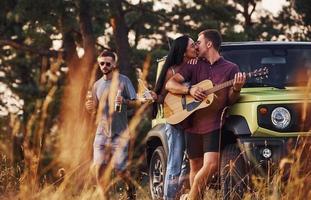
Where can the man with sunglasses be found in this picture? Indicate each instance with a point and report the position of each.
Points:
(111, 143)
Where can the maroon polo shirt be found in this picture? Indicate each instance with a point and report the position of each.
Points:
(208, 119)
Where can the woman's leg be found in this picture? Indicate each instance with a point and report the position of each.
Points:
(184, 178)
(176, 146)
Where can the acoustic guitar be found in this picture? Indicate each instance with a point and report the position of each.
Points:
(179, 107)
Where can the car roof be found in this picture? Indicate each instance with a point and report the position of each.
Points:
(256, 43)
(225, 46)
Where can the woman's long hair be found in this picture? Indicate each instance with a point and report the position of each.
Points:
(175, 57)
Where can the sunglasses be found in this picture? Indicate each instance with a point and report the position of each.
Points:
(108, 64)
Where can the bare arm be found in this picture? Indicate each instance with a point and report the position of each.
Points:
(174, 85)
(134, 103)
(233, 96)
(163, 92)
(234, 92)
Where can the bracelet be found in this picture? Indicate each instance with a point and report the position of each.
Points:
(189, 88)
(236, 91)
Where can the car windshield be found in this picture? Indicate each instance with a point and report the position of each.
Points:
(287, 66)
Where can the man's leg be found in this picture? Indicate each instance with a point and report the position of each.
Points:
(204, 175)
(99, 171)
(101, 158)
(129, 186)
(120, 159)
(195, 165)
(194, 145)
(176, 146)
(210, 164)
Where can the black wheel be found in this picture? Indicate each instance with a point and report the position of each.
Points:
(157, 170)
(234, 178)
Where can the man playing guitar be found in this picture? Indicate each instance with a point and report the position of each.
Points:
(202, 136)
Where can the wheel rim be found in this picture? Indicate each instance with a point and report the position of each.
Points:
(157, 178)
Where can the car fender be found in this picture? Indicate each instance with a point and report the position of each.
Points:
(237, 125)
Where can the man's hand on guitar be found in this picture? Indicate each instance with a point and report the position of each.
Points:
(239, 81)
(197, 93)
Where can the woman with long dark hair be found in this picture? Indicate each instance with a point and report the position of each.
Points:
(182, 50)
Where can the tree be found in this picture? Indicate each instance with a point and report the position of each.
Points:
(294, 21)
(303, 8)
(35, 70)
(27, 39)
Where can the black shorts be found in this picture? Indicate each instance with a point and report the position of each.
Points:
(198, 144)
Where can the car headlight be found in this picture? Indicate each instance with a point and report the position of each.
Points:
(280, 117)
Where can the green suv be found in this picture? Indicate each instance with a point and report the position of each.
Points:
(263, 124)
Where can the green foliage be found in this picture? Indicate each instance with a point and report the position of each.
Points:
(303, 7)
(35, 23)
(295, 18)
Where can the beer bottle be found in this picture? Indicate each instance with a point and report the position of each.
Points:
(117, 105)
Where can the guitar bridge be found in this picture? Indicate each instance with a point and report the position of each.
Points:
(183, 102)
(193, 105)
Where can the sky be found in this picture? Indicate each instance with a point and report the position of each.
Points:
(273, 6)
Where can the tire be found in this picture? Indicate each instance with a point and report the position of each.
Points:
(234, 178)
(157, 169)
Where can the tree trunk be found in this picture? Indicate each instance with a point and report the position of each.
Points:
(121, 32)
(75, 124)
(248, 25)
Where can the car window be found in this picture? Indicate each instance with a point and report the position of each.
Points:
(287, 67)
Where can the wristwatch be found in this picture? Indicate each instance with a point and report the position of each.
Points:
(189, 88)
(236, 91)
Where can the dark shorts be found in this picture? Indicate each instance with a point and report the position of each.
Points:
(198, 144)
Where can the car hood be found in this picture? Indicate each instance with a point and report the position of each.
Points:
(275, 94)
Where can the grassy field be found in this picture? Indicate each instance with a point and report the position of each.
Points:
(56, 163)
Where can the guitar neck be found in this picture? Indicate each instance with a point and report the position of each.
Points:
(224, 85)
(219, 87)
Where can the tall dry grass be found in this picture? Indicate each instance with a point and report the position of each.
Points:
(71, 139)
(71, 148)
(292, 177)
